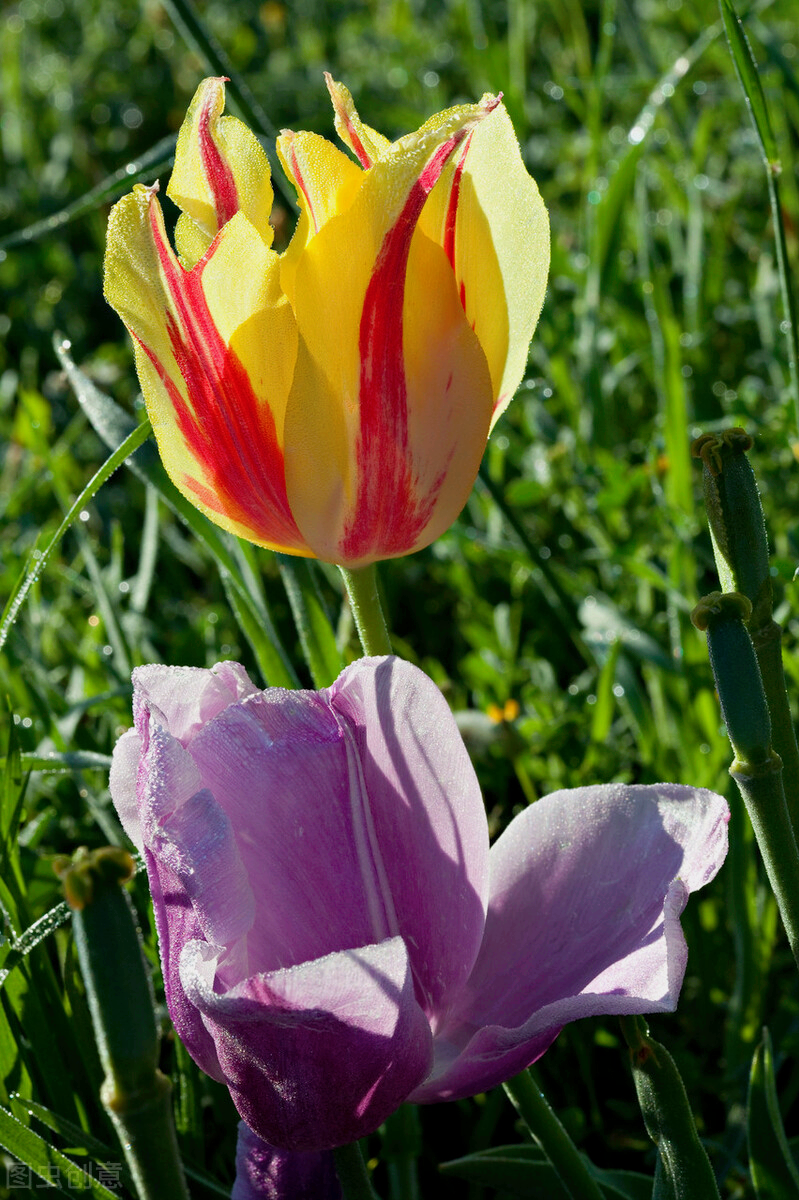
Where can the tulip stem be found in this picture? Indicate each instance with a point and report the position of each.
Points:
(534, 1109)
(135, 1094)
(352, 1173)
(361, 585)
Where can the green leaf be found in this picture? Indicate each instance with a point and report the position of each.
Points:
(145, 167)
(524, 1171)
(521, 1170)
(48, 1163)
(684, 1171)
(74, 1134)
(774, 1172)
(112, 424)
(35, 933)
(71, 760)
(317, 637)
(38, 561)
(746, 67)
(199, 37)
(12, 788)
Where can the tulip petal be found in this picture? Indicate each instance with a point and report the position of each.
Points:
(197, 881)
(366, 144)
(215, 364)
(428, 816)
(487, 214)
(186, 698)
(391, 400)
(264, 1173)
(165, 778)
(317, 878)
(122, 785)
(176, 925)
(376, 828)
(586, 891)
(220, 169)
(197, 843)
(318, 1055)
(326, 181)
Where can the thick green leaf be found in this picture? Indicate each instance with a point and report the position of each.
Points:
(684, 1171)
(774, 1172)
(521, 1170)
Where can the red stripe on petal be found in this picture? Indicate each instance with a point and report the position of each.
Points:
(451, 221)
(342, 114)
(228, 431)
(217, 171)
(390, 513)
(299, 179)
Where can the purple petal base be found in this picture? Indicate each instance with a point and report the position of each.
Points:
(264, 1173)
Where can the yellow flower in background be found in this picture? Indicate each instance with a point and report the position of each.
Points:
(333, 401)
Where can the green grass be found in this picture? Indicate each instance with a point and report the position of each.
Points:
(568, 581)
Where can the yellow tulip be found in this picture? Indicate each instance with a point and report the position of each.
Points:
(334, 400)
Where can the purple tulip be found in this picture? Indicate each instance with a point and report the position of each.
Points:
(336, 937)
(264, 1173)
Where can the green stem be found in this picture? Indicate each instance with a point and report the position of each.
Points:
(134, 1092)
(553, 1139)
(760, 784)
(402, 1145)
(361, 585)
(756, 769)
(768, 648)
(352, 1173)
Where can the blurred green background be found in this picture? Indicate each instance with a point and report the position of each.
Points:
(566, 585)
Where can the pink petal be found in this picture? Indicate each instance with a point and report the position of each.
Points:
(278, 766)
(320, 1054)
(122, 785)
(428, 815)
(187, 697)
(586, 891)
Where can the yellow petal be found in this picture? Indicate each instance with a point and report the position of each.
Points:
(366, 144)
(327, 182)
(391, 401)
(487, 213)
(220, 169)
(215, 364)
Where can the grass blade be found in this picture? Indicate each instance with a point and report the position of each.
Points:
(747, 71)
(749, 76)
(46, 1162)
(146, 167)
(134, 439)
(317, 636)
(202, 41)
